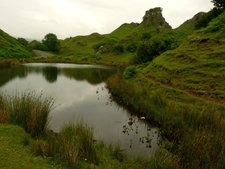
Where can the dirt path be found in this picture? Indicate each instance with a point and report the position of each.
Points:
(190, 94)
(40, 54)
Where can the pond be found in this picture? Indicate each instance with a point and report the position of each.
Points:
(80, 93)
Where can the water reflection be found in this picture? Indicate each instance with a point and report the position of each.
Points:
(80, 93)
(50, 74)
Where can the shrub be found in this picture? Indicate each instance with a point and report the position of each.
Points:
(146, 36)
(37, 45)
(219, 3)
(129, 72)
(217, 24)
(118, 49)
(29, 111)
(132, 48)
(149, 50)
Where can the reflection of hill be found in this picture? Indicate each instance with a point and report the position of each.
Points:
(50, 74)
(8, 74)
(91, 75)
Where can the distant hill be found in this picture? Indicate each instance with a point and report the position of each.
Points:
(121, 44)
(10, 47)
(104, 45)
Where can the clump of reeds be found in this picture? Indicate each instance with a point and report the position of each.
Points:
(29, 111)
(74, 143)
(3, 116)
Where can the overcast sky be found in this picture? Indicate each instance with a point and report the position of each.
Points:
(35, 18)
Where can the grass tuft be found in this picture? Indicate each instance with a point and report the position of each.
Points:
(29, 111)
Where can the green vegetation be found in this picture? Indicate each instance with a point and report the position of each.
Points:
(193, 128)
(30, 112)
(180, 88)
(51, 42)
(219, 3)
(207, 17)
(23, 41)
(36, 45)
(11, 48)
(72, 147)
(16, 150)
(130, 72)
(182, 91)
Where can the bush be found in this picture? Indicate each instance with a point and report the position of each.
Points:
(118, 49)
(36, 45)
(129, 72)
(146, 36)
(149, 50)
(219, 3)
(207, 17)
(132, 48)
(23, 41)
(217, 24)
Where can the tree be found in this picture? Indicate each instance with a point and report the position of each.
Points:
(23, 41)
(148, 50)
(219, 3)
(51, 42)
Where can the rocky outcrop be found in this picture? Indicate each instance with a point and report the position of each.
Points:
(154, 18)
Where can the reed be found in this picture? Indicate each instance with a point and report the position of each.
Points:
(29, 111)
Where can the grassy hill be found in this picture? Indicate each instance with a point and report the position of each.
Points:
(104, 48)
(197, 66)
(182, 91)
(11, 48)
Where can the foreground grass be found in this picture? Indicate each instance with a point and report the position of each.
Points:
(15, 150)
(72, 147)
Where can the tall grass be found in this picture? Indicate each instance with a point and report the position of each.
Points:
(29, 111)
(74, 143)
(3, 115)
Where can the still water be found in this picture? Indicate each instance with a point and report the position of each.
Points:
(80, 93)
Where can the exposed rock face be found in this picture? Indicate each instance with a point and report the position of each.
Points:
(154, 18)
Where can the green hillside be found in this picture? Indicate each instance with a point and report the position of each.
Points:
(105, 47)
(197, 66)
(120, 45)
(10, 47)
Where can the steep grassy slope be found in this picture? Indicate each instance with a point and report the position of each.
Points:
(197, 66)
(10, 47)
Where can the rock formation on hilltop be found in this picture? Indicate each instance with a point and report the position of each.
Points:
(154, 17)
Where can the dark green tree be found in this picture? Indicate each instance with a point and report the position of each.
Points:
(51, 42)
(23, 41)
(219, 3)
